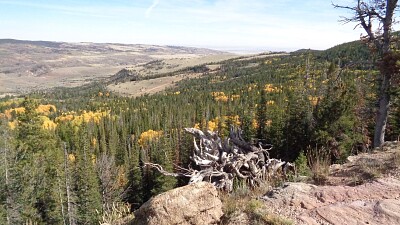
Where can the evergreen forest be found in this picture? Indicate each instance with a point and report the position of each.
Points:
(71, 155)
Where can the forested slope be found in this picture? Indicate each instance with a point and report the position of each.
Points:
(70, 154)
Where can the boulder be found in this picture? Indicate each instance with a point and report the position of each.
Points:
(376, 202)
(192, 204)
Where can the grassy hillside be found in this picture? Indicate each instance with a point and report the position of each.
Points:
(38, 65)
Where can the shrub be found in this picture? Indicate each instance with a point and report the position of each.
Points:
(301, 165)
(319, 161)
(119, 213)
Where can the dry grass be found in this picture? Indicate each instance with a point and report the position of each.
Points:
(273, 219)
(244, 201)
(380, 163)
(118, 214)
(365, 167)
(373, 168)
(138, 88)
(319, 161)
(396, 158)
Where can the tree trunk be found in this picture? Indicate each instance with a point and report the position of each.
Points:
(368, 14)
(384, 90)
(60, 193)
(382, 112)
(7, 183)
(71, 216)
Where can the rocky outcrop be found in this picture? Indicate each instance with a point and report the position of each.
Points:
(124, 75)
(352, 196)
(377, 202)
(192, 204)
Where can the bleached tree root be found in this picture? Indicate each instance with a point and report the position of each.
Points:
(221, 160)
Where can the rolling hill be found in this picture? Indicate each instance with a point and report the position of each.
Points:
(33, 65)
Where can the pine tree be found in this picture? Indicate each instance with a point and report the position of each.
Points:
(134, 189)
(262, 115)
(5, 157)
(34, 187)
(86, 181)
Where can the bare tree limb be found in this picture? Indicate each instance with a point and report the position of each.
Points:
(220, 161)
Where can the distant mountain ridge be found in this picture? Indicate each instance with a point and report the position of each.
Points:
(56, 44)
(38, 43)
(30, 65)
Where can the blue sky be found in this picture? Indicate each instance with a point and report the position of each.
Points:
(221, 24)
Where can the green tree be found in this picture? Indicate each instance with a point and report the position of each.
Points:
(134, 189)
(380, 13)
(6, 156)
(261, 115)
(86, 181)
(35, 189)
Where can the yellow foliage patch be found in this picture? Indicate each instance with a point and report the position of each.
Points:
(93, 142)
(254, 124)
(71, 157)
(122, 181)
(234, 97)
(12, 125)
(314, 100)
(234, 119)
(46, 109)
(251, 87)
(213, 125)
(220, 96)
(8, 103)
(48, 124)
(84, 117)
(64, 118)
(9, 112)
(149, 136)
(270, 88)
(93, 157)
(221, 99)
(41, 109)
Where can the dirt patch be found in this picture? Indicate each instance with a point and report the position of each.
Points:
(172, 63)
(260, 56)
(142, 87)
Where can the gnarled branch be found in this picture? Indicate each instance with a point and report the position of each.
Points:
(221, 160)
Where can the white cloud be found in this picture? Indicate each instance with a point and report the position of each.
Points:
(150, 9)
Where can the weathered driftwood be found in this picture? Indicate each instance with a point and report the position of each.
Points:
(220, 161)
